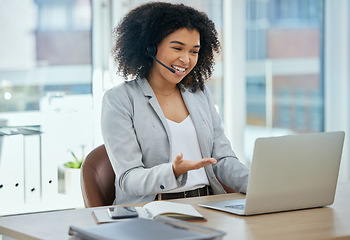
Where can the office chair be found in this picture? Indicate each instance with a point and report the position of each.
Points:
(227, 188)
(97, 179)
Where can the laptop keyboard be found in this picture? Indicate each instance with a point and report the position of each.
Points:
(236, 206)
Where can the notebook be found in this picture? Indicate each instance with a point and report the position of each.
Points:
(159, 228)
(290, 173)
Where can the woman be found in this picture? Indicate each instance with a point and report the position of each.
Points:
(162, 132)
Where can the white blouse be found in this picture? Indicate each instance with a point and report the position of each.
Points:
(184, 140)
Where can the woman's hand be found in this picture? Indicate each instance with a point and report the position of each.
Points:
(181, 166)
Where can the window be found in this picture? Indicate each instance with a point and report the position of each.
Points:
(284, 80)
(283, 45)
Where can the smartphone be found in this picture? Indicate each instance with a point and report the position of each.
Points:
(122, 212)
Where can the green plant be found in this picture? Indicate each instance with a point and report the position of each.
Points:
(76, 163)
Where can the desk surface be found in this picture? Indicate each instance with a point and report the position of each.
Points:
(332, 222)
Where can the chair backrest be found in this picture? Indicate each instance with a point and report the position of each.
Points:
(97, 179)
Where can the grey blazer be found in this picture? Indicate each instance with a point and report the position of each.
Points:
(138, 143)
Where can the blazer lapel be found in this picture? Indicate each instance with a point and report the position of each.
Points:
(198, 122)
(152, 99)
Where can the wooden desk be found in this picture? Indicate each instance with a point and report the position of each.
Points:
(331, 222)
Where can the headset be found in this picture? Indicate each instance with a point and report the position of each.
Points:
(152, 52)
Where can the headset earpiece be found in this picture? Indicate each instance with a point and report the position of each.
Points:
(152, 50)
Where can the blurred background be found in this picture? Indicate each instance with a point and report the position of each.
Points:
(284, 69)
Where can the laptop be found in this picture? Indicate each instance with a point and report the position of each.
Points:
(290, 173)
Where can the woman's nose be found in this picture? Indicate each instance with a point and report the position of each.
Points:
(184, 58)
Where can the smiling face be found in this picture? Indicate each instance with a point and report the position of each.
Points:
(179, 51)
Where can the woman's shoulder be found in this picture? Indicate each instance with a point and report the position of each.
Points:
(205, 93)
(123, 89)
(128, 92)
(119, 94)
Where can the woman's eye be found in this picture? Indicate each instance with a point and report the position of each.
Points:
(178, 49)
(195, 52)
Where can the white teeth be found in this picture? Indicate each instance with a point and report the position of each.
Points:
(179, 69)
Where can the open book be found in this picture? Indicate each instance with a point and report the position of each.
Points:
(154, 209)
(169, 209)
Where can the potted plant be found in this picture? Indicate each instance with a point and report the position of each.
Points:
(72, 174)
(76, 164)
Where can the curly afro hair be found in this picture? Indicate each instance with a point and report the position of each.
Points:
(148, 24)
